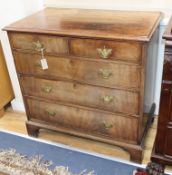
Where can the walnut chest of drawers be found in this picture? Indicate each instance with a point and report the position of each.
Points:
(82, 72)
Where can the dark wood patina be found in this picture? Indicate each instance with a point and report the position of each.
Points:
(162, 151)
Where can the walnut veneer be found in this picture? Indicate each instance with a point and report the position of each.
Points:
(94, 84)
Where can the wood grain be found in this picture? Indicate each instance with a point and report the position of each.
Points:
(86, 121)
(55, 45)
(80, 94)
(122, 75)
(122, 25)
(127, 51)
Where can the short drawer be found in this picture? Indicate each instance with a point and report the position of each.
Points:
(107, 50)
(84, 120)
(91, 72)
(32, 42)
(108, 99)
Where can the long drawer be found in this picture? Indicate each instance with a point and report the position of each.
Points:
(84, 120)
(87, 71)
(113, 100)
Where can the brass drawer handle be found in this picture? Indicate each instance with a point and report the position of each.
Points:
(104, 53)
(105, 73)
(107, 98)
(107, 125)
(47, 89)
(51, 113)
(38, 46)
(166, 90)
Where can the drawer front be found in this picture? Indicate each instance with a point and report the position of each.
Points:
(113, 100)
(91, 72)
(168, 142)
(165, 103)
(109, 50)
(52, 44)
(83, 120)
(167, 68)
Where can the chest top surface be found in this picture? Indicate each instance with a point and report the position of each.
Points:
(128, 25)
